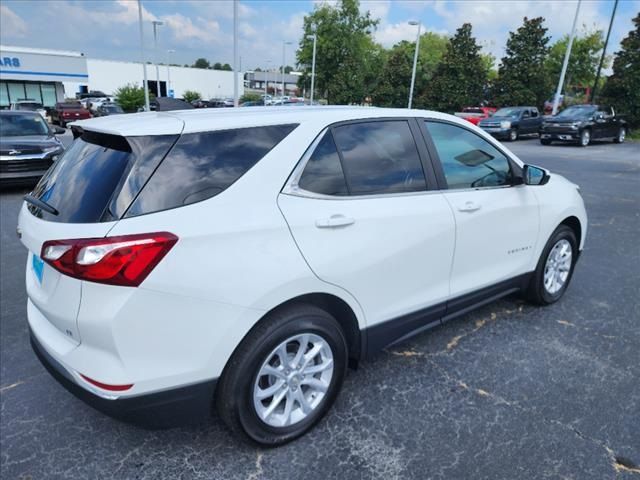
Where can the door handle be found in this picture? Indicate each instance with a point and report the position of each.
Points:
(335, 221)
(469, 207)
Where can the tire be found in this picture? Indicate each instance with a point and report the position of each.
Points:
(585, 138)
(513, 135)
(539, 291)
(241, 382)
(622, 134)
(545, 141)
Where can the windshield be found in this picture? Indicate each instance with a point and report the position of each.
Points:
(22, 125)
(473, 110)
(507, 112)
(32, 106)
(113, 108)
(577, 111)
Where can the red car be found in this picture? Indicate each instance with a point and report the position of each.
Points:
(475, 114)
(64, 113)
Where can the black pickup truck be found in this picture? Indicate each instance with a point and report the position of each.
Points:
(582, 123)
(511, 122)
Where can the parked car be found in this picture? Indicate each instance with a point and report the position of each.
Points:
(583, 123)
(475, 114)
(28, 146)
(511, 122)
(217, 103)
(29, 106)
(257, 103)
(109, 109)
(64, 113)
(180, 261)
(200, 103)
(548, 104)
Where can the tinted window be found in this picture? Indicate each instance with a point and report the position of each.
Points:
(468, 160)
(323, 172)
(380, 157)
(98, 176)
(202, 165)
(23, 125)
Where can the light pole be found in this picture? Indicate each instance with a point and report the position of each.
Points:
(604, 51)
(266, 82)
(313, 65)
(169, 52)
(144, 64)
(235, 54)
(156, 24)
(567, 54)
(415, 61)
(284, 43)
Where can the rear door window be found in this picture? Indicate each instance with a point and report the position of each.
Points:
(323, 172)
(201, 165)
(380, 157)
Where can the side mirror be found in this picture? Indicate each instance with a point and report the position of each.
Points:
(58, 130)
(535, 175)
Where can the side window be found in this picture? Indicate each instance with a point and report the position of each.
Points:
(323, 172)
(534, 113)
(526, 114)
(380, 157)
(202, 165)
(468, 160)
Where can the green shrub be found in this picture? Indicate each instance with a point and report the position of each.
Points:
(191, 95)
(250, 97)
(130, 97)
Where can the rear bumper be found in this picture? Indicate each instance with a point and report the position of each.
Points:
(168, 408)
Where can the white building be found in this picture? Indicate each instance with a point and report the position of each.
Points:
(50, 76)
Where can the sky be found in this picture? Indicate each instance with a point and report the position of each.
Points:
(108, 29)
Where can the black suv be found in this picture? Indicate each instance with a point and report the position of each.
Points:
(582, 123)
(28, 146)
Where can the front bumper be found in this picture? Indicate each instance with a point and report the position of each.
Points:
(561, 136)
(168, 408)
(497, 132)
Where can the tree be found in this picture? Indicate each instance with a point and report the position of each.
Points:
(130, 97)
(347, 59)
(583, 62)
(217, 66)
(622, 88)
(191, 95)
(522, 79)
(288, 69)
(392, 89)
(201, 63)
(226, 67)
(250, 97)
(460, 77)
(257, 69)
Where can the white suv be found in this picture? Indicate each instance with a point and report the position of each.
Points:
(243, 259)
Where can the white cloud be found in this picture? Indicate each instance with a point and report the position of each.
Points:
(11, 24)
(379, 9)
(183, 28)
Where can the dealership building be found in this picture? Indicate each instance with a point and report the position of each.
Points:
(50, 76)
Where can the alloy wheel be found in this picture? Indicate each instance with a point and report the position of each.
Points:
(293, 380)
(585, 138)
(558, 266)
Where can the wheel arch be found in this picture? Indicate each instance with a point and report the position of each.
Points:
(574, 224)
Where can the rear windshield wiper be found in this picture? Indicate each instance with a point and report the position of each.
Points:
(40, 204)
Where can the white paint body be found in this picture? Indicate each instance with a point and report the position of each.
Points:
(253, 247)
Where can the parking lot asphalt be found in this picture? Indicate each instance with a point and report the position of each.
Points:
(510, 391)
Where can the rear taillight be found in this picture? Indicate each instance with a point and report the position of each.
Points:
(124, 260)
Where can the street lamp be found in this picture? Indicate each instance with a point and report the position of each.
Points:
(313, 65)
(156, 24)
(144, 64)
(266, 82)
(284, 43)
(415, 61)
(169, 52)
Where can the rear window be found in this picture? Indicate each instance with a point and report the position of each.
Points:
(98, 176)
(202, 165)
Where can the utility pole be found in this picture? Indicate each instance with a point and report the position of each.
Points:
(604, 51)
(283, 63)
(567, 54)
(169, 52)
(144, 64)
